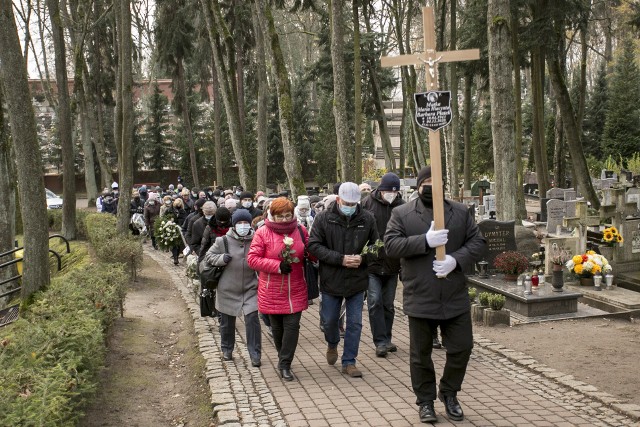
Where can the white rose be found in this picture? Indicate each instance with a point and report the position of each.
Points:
(288, 241)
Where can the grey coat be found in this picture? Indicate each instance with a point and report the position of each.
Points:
(425, 295)
(237, 292)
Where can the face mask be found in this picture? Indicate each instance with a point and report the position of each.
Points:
(194, 195)
(348, 210)
(210, 193)
(223, 224)
(389, 197)
(303, 213)
(364, 194)
(243, 229)
(208, 217)
(168, 203)
(427, 196)
(246, 205)
(152, 202)
(238, 193)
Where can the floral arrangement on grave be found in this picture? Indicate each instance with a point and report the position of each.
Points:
(559, 256)
(511, 262)
(287, 253)
(373, 248)
(586, 265)
(611, 237)
(167, 233)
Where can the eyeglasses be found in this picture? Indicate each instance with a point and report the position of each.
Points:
(287, 217)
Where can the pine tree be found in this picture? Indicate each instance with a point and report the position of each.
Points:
(622, 126)
(326, 150)
(594, 119)
(156, 125)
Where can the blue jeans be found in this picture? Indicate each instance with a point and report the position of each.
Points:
(380, 298)
(330, 313)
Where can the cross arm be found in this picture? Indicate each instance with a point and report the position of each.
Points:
(421, 58)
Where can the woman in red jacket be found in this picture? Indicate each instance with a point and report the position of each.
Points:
(282, 291)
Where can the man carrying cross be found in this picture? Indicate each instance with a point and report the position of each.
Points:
(435, 292)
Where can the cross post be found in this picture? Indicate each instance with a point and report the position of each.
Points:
(430, 58)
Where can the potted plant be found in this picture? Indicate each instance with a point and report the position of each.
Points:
(473, 293)
(478, 309)
(495, 314)
(511, 264)
(586, 265)
(558, 258)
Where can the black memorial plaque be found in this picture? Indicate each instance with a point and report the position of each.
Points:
(433, 109)
(500, 237)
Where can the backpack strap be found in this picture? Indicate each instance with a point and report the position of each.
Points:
(226, 244)
(306, 254)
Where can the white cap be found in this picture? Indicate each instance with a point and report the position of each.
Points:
(114, 185)
(349, 192)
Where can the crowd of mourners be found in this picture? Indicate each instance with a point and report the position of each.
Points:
(359, 241)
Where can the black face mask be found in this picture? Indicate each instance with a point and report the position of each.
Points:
(224, 224)
(427, 196)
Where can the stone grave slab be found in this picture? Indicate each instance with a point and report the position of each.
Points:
(570, 208)
(556, 211)
(556, 193)
(500, 237)
(543, 301)
(633, 196)
(570, 194)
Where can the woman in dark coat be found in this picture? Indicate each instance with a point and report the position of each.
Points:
(151, 212)
(237, 292)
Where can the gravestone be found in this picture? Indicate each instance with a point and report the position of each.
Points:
(489, 203)
(570, 243)
(570, 194)
(627, 255)
(542, 216)
(606, 174)
(570, 208)
(556, 193)
(500, 236)
(556, 211)
(633, 196)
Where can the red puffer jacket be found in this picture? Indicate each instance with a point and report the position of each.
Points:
(278, 293)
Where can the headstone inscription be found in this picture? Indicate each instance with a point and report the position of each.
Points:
(500, 237)
(556, 211)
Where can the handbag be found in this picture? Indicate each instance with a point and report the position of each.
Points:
(208, 303)
(210, 277)
(310, 273)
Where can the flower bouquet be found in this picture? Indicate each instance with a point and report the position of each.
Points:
(511, 263)
(167, 233)
(287, 253)
(611, 237)
(586, 265)
(559, 256)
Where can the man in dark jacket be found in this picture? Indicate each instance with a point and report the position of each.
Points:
(383, 270)
(197, 230)
(337, 238)
(246, 202)
(435, 292)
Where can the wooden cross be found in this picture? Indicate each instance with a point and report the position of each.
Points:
(431, 58)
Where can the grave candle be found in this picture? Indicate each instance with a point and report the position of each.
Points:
(535, 279)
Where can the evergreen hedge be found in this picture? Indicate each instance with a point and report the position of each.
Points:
(51, 356)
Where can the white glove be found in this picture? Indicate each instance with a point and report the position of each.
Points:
(443, 268)
(437, 237)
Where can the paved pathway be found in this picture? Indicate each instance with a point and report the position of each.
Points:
(502, 387)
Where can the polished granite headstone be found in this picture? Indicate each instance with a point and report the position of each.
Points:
(500, 236)
(543, 301)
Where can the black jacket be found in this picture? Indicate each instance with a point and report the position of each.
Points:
(381, 210)
(136, 206)
(425, 295)
(197, 231)
(255, 212)
(333, 235)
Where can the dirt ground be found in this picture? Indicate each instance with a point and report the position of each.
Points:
(602, 352)
(154, 371)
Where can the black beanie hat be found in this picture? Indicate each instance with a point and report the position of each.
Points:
(241, 215)
(389, 182)
(223, 214)
(424, 173)
(199, 203)
(246, 195)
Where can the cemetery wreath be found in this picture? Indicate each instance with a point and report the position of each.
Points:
(511, 262)
(586, 265)
(167, 233)
(611, 237)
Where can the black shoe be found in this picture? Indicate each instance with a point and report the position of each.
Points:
(175, 261)
(392, 348)
(255, 362)
(286, 374)
(436, 343)
(452, 407)
(427, 413)
(226, 355)
(381, 351)
(310, 302)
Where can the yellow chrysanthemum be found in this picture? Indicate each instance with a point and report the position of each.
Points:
(577, 259)
(596, 269)
(607, 236)
(578, 269)
(591, 252)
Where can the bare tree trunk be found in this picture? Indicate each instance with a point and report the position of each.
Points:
(357, 93)
(64, 124)
(186, 120)
(468, 80)
(263, 102)
(7, 195)
(569, 124)
(340, 89)
(217, 122)
(239, 51)
(218, 30)
(291, 162)
(454, 161)
(558, 149)
(106, 173)
(502, 108)
(125, 160)
(389, 157)
(87, 147)
(517, 90)
(13, 75)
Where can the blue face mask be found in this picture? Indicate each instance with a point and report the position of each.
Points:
(348, 210)
(243, 229)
